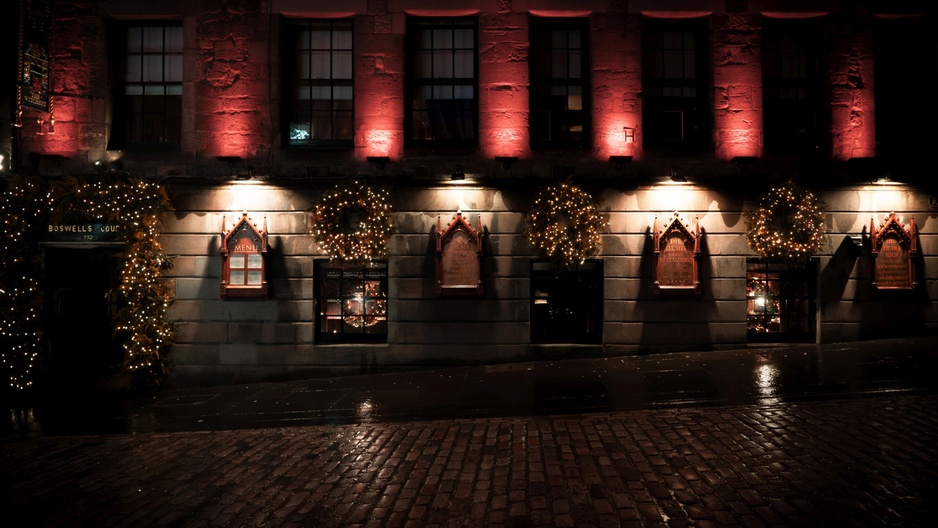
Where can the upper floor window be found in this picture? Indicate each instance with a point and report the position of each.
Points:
(442, 82)
(795, 120)
(560, 75)
(320, 98)
(905, 70)
(148, 105)
(676, 84)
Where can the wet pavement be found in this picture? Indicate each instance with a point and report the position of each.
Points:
(829, 435)
(747, 376)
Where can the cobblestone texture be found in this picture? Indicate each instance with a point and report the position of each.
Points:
(860, 462)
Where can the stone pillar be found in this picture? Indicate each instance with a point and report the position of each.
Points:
(503, 83)
(379, 84)
(616, 44)
(851, 80)
(737, 86)
(232, 104)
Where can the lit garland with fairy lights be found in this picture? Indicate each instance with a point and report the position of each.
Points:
(134, 206)
(564, 225)
(353, 223)
(788, 225)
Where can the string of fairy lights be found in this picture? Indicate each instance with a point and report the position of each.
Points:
(564, 225)
(788, 224)
(141, 321)
(353, 223)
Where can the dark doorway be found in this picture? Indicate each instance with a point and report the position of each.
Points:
(781, 302)
(80, 353)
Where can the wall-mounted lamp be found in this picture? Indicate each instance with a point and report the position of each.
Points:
(233, 162)
(676, 176)
(620, 161)
(885, 180)
(458, 174)
(743, 162)
(380, 161)
(506, 161)
(628, 134)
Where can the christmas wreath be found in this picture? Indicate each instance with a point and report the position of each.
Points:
(353, 223)
(788, 225)
(564, 225)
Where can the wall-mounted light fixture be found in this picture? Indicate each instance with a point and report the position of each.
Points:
(628, 134)
(620, 161)
(380, 161)
(676, 175)
(458, 174)
(233, 170)
(506, 161)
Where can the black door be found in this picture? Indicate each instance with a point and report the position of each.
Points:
(80, 351)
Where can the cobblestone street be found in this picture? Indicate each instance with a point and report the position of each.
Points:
(852, 462)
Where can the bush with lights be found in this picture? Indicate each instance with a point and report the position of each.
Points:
(135, 206)
(564, 225)
(352, 223)
(788, 225)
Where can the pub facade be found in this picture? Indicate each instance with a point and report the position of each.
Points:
(394, 183)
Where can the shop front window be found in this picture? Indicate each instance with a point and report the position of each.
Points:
(781, 302)
(352, 302)
(567, 304)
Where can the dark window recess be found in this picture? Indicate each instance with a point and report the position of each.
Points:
(351, 302)
(148, 104)
(781, 302)
(566, 305)
(906, 73)
(442, 82)
(676, 85)
(560, 89)
(320, 96)
(793, 80)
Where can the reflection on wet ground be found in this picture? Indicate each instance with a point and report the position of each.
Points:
(763, 376)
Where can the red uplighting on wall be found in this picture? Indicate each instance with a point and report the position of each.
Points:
(380, 142)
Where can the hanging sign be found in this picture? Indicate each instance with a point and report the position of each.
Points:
(36, 24)
(894, 251)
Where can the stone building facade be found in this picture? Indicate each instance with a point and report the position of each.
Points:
(691, 106)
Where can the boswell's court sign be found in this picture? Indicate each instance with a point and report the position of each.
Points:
(86, 232)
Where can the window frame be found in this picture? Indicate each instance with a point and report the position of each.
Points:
(414, 84)
(800, 41)
(128, 133)
(589, 298)
(321, 296)
(791, 304)
(292, 83)
(541, 30)
(656, 105)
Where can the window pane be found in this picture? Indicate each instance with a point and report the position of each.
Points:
(173, 68)
(442, 39)
(173, 39)
(321, 67)
(302, 65)
(464, 67)
(236, 261)
(320, 40)
(153, 39)
(134, 39)
(152, 68)
(342, 65)
(254, 278)
(342, 40)
(255, 260)
(442, 64)
(133, 68)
